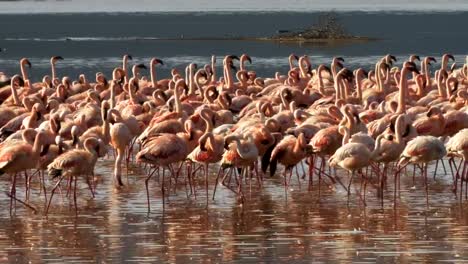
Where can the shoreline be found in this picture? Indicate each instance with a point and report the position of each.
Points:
(260, 39)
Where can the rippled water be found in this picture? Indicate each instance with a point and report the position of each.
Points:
(271, 226)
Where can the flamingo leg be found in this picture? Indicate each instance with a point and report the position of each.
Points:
(217, 182)
(426, 183)
(12, 192)
(75, 178)
(89, 185)
(147, 189)
(52, 193)
(435, 170)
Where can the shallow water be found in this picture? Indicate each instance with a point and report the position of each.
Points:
(271, 226)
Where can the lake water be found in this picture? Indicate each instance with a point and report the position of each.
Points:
(272, 226)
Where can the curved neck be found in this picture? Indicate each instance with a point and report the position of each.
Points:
(209, 124)
(14, 93)
(350, 118)
(346, 135)
(291, 62)
(302, 68)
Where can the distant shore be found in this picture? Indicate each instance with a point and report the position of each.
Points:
(266, 39)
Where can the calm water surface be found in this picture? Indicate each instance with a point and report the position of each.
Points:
(271, 227)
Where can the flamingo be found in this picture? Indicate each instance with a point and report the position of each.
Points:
(210, 149)
(457, 146)
(75, 163)
(422, 150)
(20, 157)
(289, 152)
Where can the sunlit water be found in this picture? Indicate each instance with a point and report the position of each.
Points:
(271, 226)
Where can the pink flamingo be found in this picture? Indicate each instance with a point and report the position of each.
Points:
(75, 163)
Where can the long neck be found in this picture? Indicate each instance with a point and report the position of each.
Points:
(241, 151)
(124, 67)
(443, 65)
(52, 66)
(333, 68)
(345, 136)
(191, 81)
(213, 69)
(403, 90)
(419, 84)
(320, 79)
(337, 82)
(350, 118)
(153, 75)
(14, 93)
(131, 93)
(345, 89)
(359, 86)
(378, 75)
(427, 73)
(24, 73)
(227, 75)
(302, 68)
(291, 64)
(112, 95)
(378, 143)
(37, 145)
(178, 105)
(242, 63)
(440, 85)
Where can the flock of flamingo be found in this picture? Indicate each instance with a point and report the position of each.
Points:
(371, 124)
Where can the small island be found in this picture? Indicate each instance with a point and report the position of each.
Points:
(328, 29)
